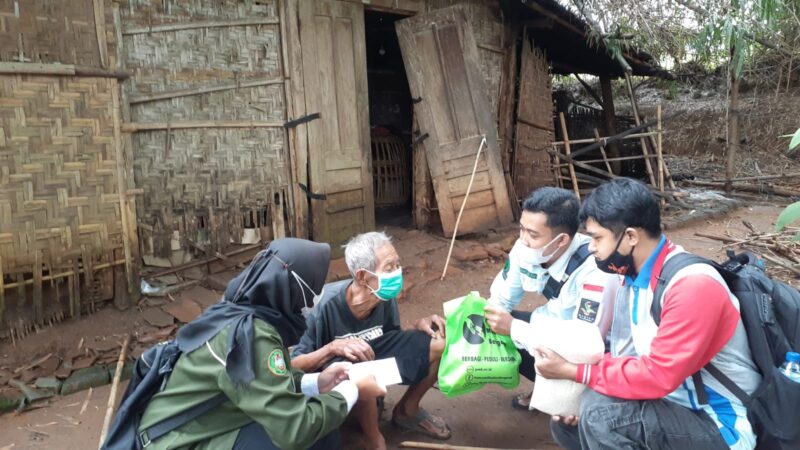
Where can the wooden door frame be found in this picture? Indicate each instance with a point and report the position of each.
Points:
(297, 145)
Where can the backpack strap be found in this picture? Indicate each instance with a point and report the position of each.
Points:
(178, 420)
(553, 287)
(671, 267)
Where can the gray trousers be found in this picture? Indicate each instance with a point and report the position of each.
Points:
(612, 423)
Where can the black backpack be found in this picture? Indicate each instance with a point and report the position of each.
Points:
(770, 313)
(150, 375)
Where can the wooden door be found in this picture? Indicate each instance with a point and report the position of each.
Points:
(532, 167)
(335, 86)
(441, 61)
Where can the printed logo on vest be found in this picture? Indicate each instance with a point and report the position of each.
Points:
(587, 310)
(276, 363)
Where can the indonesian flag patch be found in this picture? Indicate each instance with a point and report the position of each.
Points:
(276, 363)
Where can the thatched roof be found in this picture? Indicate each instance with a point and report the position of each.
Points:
(563, 37)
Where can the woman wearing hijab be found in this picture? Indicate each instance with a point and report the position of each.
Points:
(239, 347)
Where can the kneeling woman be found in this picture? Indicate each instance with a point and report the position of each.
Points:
(239, 347)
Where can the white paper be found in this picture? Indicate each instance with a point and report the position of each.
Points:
(385, 371)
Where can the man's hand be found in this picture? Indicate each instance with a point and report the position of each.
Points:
(551, 365)
(368, 387)
(499, 319)
(433, 326)
(332, 375)
(568, 420)
(352, 349)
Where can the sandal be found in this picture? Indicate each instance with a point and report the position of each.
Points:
(521, 401)
(441, 432)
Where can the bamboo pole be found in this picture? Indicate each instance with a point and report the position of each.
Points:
(635, 109)
(603, 141)
(463, 204)
(133, 127)
(621, 158)
(575, 186)
(603, 152)
(758, 178)
(112, 396)
(100, 29)
(17, 68)
(95, 268)
(201, 24)
(166, 95)
(127, 227)
(659, 150)
(201, 262)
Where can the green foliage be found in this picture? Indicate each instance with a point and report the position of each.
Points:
(788, 216)
(795, 140)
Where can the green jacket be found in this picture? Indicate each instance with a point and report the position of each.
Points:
(273, 399)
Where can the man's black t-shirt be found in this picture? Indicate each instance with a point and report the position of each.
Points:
(332, 319)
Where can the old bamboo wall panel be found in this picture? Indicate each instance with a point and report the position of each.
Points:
(205, 184)
(532, 167)
(60, 212)
(49, 31)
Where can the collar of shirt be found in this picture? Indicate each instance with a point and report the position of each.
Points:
(557, 269)
(643, 278)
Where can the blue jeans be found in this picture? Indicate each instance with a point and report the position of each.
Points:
(612, 423)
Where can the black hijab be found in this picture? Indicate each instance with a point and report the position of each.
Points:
(267, 290)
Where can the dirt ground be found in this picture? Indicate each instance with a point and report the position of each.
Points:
(483, 418)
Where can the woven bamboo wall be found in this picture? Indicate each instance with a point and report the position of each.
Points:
(63, 234)
(532, 166)
(206, 183)
(60, 204)
(60, 31)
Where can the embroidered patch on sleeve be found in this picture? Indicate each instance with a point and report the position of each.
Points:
(505, 269)
(276, 363)
(587, 310)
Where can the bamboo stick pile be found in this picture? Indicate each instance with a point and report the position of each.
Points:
(780, 250)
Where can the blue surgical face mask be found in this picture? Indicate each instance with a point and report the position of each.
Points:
(389, 284)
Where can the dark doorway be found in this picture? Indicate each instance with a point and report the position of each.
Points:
(390, 119)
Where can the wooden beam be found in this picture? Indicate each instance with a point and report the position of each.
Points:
(567, 150)
(539, 23)
(133, 127)
(589, 90)
(165, 95)
(609, 117)
(180, 26)
(16, 68)
(127, 227)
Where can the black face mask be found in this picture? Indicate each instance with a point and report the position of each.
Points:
(617, 263)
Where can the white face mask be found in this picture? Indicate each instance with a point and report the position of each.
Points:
(306, 309)
(535, 256)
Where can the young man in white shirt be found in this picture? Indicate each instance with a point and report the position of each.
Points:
(552, 259)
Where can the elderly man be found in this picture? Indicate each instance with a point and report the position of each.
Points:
(358, 320)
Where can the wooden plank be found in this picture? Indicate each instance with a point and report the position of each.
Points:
(181, 26)
(100, 28)
(127, 228)
(37, 68)
(133, 127)
(201, 90)
(335, 84)
(296, 107)
(567, 150)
